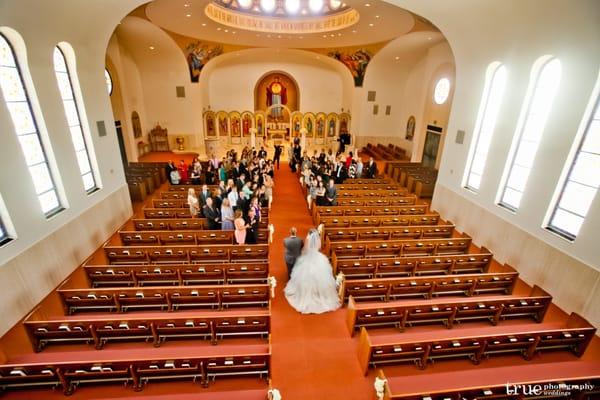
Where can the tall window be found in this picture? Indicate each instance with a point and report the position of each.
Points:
(26, 128)
(536, 109)
(65, 77)
(581, 185)
(3, 233)
(109, 82)
(484, 129)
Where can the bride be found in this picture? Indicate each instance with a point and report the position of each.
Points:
(312, 287)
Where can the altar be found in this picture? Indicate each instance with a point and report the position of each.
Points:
(278, 130)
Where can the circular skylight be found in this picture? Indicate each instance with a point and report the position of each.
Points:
(245, 3)
(442, 90)
(292, 6)
(335, 4)
(267, 5)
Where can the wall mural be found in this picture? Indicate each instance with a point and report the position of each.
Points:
(276, 89)
(235, 124)
(356, 62)
(198, 54)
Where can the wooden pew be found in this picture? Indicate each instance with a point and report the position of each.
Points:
(68, 375)
(154, 213)
(404, 314)
(178, 275)
(185, 237)
(344, 187)
(574, 338)
(396, 267)
(577, 380)
(383, 201)
(402, 192)
(399, 248)
(367, 211)
(164, 298)
(204, 254)
(387, 221)
(193, 224)
(213, 327)
(386, 233)
(386, 289)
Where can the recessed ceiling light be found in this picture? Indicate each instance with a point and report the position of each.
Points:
(186, 5)
(188, 15)
(268, 5)
(234, 32)
(226, 30)
(367, 5)
(429, 38)
(203, 24)
(278, 36)
(219, 29)
(339, 34)
(377, 16)
(397, 57)
(370, 24)
(324, 35)
(151, 47)
(245, 3)
(292, 6)
(315, 5)
(353, 31)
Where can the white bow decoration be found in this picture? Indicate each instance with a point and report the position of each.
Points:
(339, 279)
(320, 229)
(274, 394)
(379, 387)
(271, 232)
(272, 284)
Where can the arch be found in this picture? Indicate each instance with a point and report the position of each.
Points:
(292, 102)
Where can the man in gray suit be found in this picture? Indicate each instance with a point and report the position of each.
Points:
(293, 246)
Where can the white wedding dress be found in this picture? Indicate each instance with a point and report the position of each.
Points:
(312, 287)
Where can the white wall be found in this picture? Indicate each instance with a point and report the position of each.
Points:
(531, 33)
(46, 250)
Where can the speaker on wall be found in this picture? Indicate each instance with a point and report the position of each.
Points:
(180, 90)
(101, 128)
(371, 95)
(460, 136)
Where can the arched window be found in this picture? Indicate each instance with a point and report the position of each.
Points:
(109, 82)
(484, 128)
(18, 104)
(65, 75)
(582, 181)
(543, 88)
(441, 91)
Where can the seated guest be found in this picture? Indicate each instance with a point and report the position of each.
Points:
(183, 171)
(210, 175)
(193, 202)
(252, 231)
(331, 194)
(226, 216)
(320, 194)
(240, 227)
(212, 215)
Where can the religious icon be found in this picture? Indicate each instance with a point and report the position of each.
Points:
(246, 125)
(259, 125)
(223, 128)
(276, 96)
(210, 125)
(309, 126)
(410, 128)
(331, 128)
(235, 127)
(320, 127)
(344, 125)
(296, 130)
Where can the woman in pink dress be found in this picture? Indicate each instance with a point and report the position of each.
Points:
(240, 227)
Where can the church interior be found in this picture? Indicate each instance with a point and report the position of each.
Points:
(465, 256)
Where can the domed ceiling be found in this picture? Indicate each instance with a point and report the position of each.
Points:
(309, 24)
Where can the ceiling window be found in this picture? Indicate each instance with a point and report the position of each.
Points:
(536, 109)
(484, 129)
(109, 82)
(26, 127)
(65, 76)
(582, 182)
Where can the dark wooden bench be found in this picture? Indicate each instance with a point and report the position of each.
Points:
(387, 221)
(204, 254)
(213, 327)
(164, 298)
(184, 237)
(396, 267)
(177, 275)
(399, 248)
(386, 289)
(68, 375)
(382, 350)
(403, 314)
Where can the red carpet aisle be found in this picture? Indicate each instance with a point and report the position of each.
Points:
(313, 355)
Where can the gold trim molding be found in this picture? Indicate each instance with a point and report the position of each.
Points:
(323, 23)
